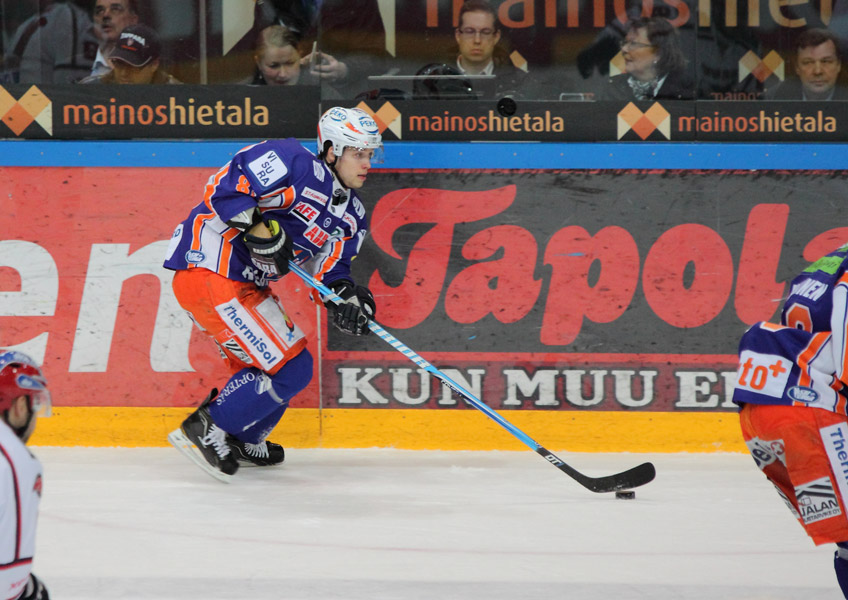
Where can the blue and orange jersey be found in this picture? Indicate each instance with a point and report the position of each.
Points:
(803, 361)
(789, 366)
(326, 222)
(809, 305)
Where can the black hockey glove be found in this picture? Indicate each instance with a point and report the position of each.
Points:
(358, 308)
(271, 255)
(34, 590)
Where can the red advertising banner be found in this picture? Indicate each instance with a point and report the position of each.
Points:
(83, 289)
(558, 290)
(546, 290)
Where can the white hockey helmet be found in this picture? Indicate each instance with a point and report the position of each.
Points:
(349, 127)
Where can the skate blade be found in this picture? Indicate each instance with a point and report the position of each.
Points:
(183, 444)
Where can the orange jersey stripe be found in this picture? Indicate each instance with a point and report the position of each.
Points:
(812, 349)
(213, 186)
(196, 228)
(288, 196)
(227, 251)
(330, 261)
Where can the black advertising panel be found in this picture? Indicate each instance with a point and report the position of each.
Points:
(610, 121)
(167, 111)
(258, 112)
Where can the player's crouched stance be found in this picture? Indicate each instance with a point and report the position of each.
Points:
(23, 394)
(274, 202)
(793, 418)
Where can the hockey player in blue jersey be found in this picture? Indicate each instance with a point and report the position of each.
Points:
(792, 387)
(273, 202)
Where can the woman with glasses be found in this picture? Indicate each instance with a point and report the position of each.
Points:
(654, 65)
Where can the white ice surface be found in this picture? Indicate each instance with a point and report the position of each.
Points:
(412, 525)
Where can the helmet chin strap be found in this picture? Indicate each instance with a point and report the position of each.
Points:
(341, 192)
(332, 165)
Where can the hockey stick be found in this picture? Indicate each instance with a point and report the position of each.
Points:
(631, 478)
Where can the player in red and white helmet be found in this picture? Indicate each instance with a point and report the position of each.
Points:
(23, 395)
(274, 202)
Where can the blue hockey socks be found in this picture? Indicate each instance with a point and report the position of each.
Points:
(253, 402)
(840, 565)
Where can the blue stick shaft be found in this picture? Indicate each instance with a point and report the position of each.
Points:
(420, 361)
(631, 478)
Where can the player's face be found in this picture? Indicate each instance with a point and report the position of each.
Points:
(18, 415)
(353, 166)
(128, 74)
(817, 68)
(639, 55)
(279, 66)
(111, 17)
(477, 38)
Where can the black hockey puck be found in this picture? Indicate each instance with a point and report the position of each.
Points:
(507, 107)
(626, 495)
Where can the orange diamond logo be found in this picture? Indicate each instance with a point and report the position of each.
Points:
(17, 119)
(761, 69)
(19, 114)
(387, 117)
(643, 124)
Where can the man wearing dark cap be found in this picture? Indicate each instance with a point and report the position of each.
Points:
(135, 59)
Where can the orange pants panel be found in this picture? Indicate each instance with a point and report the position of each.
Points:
(804, 453)
(249, 324)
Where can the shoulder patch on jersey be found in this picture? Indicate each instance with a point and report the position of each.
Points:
(268, 168)
(802, 394)
(305, 212)
(318, 168)
(195, 256)
(314, 195)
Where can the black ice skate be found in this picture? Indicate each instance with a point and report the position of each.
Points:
(205, 443)
(263, 454)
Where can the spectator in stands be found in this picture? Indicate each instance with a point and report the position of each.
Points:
(654, 65)
(350, 38)
(817, 65)
(111, 17)
(55, 45)
(477, 37)
(278, 59)
(135, 59)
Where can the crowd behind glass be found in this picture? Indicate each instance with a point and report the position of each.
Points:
(442, 49)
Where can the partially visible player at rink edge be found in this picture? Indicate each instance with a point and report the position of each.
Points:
(23, 396)
(273, 202)
(791, 387)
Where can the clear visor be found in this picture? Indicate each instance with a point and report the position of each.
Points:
(36, 389)
(42, 405)
(374, 154)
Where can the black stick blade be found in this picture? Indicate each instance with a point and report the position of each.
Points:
(626, 480)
